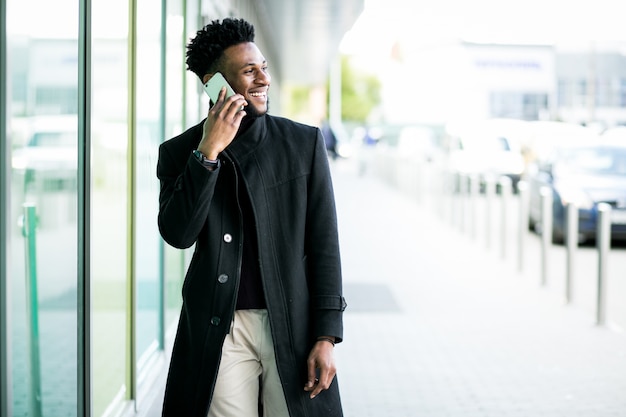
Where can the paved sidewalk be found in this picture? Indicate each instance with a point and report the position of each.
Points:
(438, 326)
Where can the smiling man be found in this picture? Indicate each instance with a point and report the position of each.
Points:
(262, 298)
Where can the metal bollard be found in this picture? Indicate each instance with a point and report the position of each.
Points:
(546, 230)
(490, 191)
(603, 243)
(522, 189)
(396, 174)
(440, 192)
(29, 229)
(505, 196)
(462, 201)
(474, 190)
(419, 174)
(452, 194)
(572, 245)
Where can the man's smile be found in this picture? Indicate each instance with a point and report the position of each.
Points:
(261, 94)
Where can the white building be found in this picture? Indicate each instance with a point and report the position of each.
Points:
(462, 80)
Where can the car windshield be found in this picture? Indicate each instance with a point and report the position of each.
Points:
(593, 160)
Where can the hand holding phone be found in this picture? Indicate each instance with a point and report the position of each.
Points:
(221, 124)
(214, 86)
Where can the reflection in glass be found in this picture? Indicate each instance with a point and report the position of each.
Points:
(42, 75)
(175, 74)
(147, 243)
(109, 203)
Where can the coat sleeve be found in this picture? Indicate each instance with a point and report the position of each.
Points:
(185, 196)
(322, 248)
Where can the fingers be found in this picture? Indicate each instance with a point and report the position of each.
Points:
(324, 382)
(322, 360)
(312, 378)
(317, 385)
(222, 123)
(232, 106)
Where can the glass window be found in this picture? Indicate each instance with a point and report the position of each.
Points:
(148, 137)
(175, 74)
(109, 228)
(42, 73)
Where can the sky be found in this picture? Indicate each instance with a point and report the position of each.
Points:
(557, 22)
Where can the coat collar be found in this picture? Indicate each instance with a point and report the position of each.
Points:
(246, 142)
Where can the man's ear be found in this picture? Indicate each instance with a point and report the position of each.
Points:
(206, 77)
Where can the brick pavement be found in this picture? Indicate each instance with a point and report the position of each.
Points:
(438, 326)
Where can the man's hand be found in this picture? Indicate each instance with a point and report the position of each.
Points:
(322, 358)
(221, 124)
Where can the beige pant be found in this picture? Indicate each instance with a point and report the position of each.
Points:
(248, 367)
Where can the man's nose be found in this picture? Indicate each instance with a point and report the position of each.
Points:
(264, 78)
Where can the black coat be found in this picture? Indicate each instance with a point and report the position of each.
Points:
(284, 167)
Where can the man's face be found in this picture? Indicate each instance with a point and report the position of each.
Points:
(245, 69)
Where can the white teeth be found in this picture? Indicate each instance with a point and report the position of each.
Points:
(257, 94)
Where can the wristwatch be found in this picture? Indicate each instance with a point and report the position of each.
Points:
(208, 163)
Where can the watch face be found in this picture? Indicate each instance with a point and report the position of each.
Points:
(198, 154)
(204, 160)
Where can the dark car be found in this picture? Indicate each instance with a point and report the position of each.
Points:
(585, 175)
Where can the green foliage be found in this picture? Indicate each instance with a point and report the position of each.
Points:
(298, 100)
(360, 93)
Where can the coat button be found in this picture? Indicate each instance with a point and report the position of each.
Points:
(222, 279)
(228, 238)
(215, 321)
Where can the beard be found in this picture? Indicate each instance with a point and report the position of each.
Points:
(252, 112)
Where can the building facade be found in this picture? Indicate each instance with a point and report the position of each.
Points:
(455, 80)
(89, 293)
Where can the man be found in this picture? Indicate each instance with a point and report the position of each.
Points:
(262, 298)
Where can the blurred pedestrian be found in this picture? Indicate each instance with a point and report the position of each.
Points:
(330, 140)
(262, 298)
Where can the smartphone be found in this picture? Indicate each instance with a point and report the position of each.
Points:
(214, 86)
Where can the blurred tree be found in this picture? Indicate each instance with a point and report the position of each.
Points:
(360, 93)
(297, 101)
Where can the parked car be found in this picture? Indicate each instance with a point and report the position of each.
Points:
(485, 148)
(542, 137)
(49, 155)
(617, 133)
(419, 143)
(585, 175)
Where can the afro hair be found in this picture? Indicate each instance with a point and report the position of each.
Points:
(205, 50)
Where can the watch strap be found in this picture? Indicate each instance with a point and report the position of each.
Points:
(209, 163)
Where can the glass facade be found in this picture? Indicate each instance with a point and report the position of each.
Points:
(137, 91)
(89, 293)
(109, 194)
(148, 134)
(173, 119)
(42, 74)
